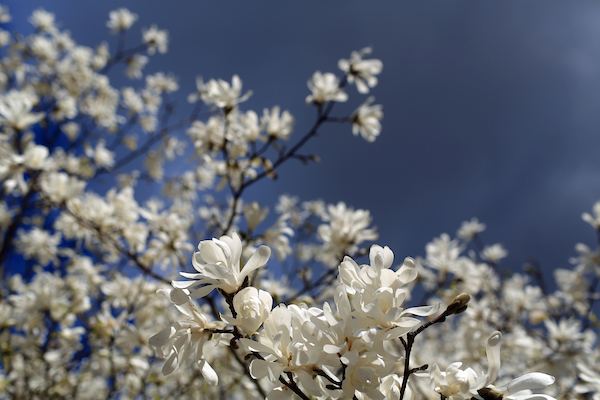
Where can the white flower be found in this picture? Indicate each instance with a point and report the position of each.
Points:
(252, 307)
(494, 253)
(278, 126)
(519, 388)
(454, 383)
(182, 343)
(364, 373)
(470, 229)
(15, 110)
(43, 20)
(218, 266)
(347, 228)
(325, 87)
(377, 292)
(135, 64)
(156, 39)
(594, 220)
(366, 120)
(361, 71)
(120, 20)
(221, 93)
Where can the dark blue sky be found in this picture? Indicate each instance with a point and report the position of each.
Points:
(491, 108)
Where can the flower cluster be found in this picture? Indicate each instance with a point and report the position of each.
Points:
(103, 296)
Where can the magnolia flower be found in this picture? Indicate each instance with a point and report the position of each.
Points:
(220, 93)
(252, 307)
(325, 87)
(593, 220)
(519, 388)
(364, 373)
(378, 294)
(470, 229)
(156, 39)
(361, 71)
(15, 110)
(494, 253)
(366, 120)
(120, 20)
(278, 126)
(218, 266)
(182, 343)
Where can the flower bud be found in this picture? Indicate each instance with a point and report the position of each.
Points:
(459, 304)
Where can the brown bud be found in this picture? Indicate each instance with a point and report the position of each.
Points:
(490, 394)
(459, 304)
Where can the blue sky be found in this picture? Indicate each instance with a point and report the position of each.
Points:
(491, 108)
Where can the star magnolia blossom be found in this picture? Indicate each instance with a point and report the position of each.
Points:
(378, 293)
(182, 343)
(457, 384)
(218, 266)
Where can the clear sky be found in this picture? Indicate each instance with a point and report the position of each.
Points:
(491, 108)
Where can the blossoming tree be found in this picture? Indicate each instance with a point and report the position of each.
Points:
(103, 296)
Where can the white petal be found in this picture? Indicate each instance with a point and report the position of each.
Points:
(208, 373)
(493, 355)
(534, 380)
(161, 337)
(258, 259)
(280, 393)
(201, 292)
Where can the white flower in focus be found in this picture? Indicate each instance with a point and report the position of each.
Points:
(378, 293)
(120, 20)
(366, 120)
(364, 373)
(361, 71)
(517, 389)
(218, 266)
(182, 343)
(252, 307)
(156, 39)
(15, 110)
(470, 229)
(325, 87)
(221, 93)
(278, 126)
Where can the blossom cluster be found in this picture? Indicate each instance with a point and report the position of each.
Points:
(103, 296)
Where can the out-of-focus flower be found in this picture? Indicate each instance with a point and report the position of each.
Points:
(43, 20)
(120, 20)
(366, 120)
(15, 110)
(470, 229)
(361, 71)
(325, 87)
(156, 39)
(278, 126)
(494, 253)
(220, 93)
(593, 220)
